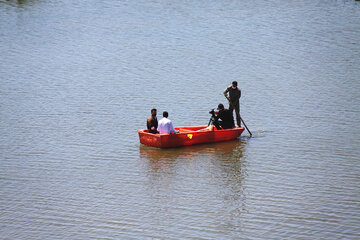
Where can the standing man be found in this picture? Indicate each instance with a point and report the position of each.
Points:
(234, 97)
(165, 125)
(152, 122)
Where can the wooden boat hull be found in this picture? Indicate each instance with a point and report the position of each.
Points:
(188, 136)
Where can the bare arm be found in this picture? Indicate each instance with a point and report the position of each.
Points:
(172, 129)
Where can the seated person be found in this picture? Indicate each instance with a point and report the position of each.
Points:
(165, 125)
(226, 117)
(152, 122)
(221, 119)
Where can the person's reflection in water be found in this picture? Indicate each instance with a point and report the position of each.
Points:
(233, 171)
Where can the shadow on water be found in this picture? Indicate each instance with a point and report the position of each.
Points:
(23, 1)
(231, 172)
(172, 154)
(19, 3)
(217, 154)
(210, 172)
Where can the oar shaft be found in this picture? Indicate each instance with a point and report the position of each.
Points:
(246, 126)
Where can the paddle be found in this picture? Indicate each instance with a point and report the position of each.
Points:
(238, 115)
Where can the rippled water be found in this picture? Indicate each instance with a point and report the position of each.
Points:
(77, 79)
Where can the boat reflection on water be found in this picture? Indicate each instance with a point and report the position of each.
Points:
(222, 154)
(232, 147)
(210, 172)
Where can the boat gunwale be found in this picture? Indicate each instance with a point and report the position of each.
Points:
(145, 131)
(192, 132)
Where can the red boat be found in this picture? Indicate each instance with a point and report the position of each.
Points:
(188, 136)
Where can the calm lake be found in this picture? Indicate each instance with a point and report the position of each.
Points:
(78, 78)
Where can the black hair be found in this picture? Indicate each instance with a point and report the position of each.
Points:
(234, 83)
(154, 109)
(165, 114)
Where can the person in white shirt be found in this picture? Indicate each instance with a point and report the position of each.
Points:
(165, 125)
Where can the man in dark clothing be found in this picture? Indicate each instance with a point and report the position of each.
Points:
(226, 117)
(234, 97)
(152, 122)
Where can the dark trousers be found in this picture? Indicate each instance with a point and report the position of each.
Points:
(237, 112)
(223, 125)
(153, 131)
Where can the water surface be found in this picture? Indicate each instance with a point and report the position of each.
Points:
(78, 79)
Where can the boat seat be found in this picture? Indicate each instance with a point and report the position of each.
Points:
(182, 130)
